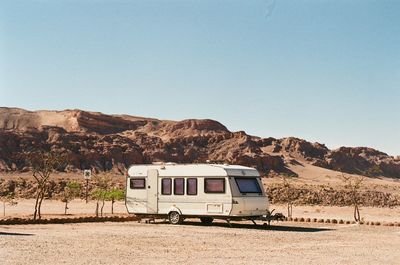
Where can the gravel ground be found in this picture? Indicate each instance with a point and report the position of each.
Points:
(192, 243)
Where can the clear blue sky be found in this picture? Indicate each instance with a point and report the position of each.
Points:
(326, 71)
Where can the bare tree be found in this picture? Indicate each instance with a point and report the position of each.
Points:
(353, 185)
(288, 194)
(43, 164)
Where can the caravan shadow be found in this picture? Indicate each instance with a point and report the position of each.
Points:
(261, 227)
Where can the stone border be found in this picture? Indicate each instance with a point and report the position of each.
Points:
(336, 221)
(86, 219)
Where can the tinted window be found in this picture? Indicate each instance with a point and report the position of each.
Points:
(214, 185)
(179, 186)
(137, 183)
(166, 186)
(191, 186)
(248, 185)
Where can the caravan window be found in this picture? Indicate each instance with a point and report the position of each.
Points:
(166, 186)
(137, 183)
(191, 186)
(179, 186)
(248, 185)
(214, 185)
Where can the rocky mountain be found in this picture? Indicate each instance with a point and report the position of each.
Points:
(113, 142)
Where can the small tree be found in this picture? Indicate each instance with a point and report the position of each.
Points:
(9, 198)
(288, 194)
(353, 186)
(113, 195)
(43, 164)
(99, 193)
(71, 191)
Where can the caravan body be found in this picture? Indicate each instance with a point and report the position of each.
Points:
(195, 190)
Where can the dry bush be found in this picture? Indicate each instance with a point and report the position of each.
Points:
(43, 164)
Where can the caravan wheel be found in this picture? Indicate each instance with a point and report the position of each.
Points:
(175, 218)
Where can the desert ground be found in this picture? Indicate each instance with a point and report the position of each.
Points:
(55, 208)
(192, 243)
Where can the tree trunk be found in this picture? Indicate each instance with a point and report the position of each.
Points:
(112, 206)
(289, 209)
(356, 213)
(97, 208)
(66, 208)
(40, 205)
(37, 203)
(102, 206)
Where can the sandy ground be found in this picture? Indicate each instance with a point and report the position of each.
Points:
(192, 243)
(313, 175)
(54, 208)
(25, 208)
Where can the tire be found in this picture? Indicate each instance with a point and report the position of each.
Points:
(206, 220)
(175, 218)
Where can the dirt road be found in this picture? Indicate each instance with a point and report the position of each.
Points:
(192, 243)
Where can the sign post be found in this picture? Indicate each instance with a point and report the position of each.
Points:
(87, 175)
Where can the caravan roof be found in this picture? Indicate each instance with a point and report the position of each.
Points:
(193, 170)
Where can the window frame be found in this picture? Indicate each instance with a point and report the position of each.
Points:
(187, 186)
(255, 178)
(162, 186)
(133, 188)
(215, 192)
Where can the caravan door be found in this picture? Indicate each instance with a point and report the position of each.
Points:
(152, 191)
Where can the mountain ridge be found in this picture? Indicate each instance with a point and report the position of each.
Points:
(113, 142)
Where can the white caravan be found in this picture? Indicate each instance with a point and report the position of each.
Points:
(206, 191)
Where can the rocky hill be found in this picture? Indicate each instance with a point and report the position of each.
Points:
(113, 142)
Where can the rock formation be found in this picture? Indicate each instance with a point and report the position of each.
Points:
(113, 142)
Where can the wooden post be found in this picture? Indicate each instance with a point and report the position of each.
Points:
(87, 190)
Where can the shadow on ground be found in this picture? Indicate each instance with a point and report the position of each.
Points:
(14, 234)
(260, 227)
